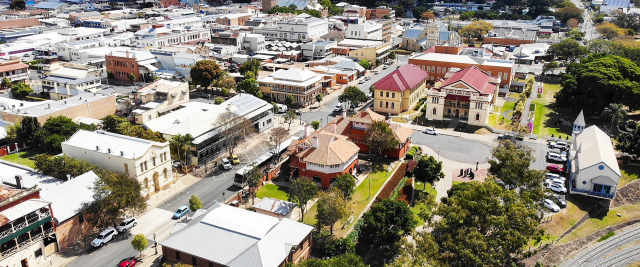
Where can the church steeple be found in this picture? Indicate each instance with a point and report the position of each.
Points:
(579, 124)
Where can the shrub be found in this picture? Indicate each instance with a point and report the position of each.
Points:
(410, 155)
(340, 246)
(539, 95)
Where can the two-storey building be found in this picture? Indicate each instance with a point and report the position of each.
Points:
(145, 161)
(14, 70)
(300, 28)
(139, 63)
(400, 90)
(302, 84)
(158, 98)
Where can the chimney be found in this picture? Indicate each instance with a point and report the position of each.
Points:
(109, 150)
(307, 130)
(315, 142)
(121, 153)
(68, 177)
(19, 181)
(97, 148)
(127, 53)
(344, 113)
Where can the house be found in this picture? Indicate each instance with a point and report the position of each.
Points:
(228, 236)
(158, 98)
(466, 94)
(302, 84)
(70, 224)
(275, 207)
(592, 162)
(145, 161)
(300, 28)
(66, 80)
(369, 30)
(139, 63)
(400, 90)
(323, 155)
(14, 70)
(355, 128)
(528, 53)
(511, 36)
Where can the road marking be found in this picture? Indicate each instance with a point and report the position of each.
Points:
(255, 152)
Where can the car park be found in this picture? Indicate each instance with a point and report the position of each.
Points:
(431, 131)
(550, 205)
(182, 211)
(555, 169)
(226, 164)
(557, 188)
(235, 159)
(128, 262)
(560, 201)
(104, 237)
(127, 224)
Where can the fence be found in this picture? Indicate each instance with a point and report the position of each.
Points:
(10, 149)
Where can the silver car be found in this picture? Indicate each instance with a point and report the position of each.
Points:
(550, 205)
(104, 237)
(226, 164)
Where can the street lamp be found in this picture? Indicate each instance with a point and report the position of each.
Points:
(438, 155)
(223, 199)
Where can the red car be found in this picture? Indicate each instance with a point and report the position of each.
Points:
(555, 169)
(128, 263)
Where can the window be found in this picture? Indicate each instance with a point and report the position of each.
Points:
(434, 111)
(499, 74)
(488, 72)
(126, 169)
(81, 218)
(506, 76)
(393, 105)
(381, 94)
(387, 94)
(193, 260)
(428, 68)
(386, 104)
(393, 95)
(153, 161)
(380, 103)
(477, 117)
(141, 166)
(177, 255)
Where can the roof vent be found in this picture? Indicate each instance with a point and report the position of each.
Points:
(109, 150)
(121, 153)
(97, 148)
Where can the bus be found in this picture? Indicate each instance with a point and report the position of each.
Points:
(262, 162)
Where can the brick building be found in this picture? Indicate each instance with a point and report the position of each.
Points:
(323, 156)
(95, 106)
(228, 236)
(355, 128)
(380, 13)
(438, 65)
(139, 63)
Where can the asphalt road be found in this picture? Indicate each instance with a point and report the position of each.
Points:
(454, 148)
(158, 221)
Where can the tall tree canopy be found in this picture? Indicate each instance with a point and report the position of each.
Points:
(302, 190)
(568, 50)
(599, 80)
(353, 95)
(477, 30)
(252, 65)
(379, 137)
(428, 170)
(204, 72)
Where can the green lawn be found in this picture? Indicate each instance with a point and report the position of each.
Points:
(273, 191)
(547, 115)
(628, 212)
(508, 106)
(629, 174)
(416, 208)
(21, 158)
(359, 200)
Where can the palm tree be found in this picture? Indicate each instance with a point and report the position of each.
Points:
(182, 142)
(615, 112)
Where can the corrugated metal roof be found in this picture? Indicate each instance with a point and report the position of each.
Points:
(66, 204)
(23, 209)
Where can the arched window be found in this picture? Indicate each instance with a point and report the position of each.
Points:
(477, 117)
(434, 111)
(165, 172)
(146, 183)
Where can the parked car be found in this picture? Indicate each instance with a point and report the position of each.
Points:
(561, 145)
(557, 188)
(235, 159)
(182, 211)
(554, 181)
(128, 262)
(431, 131)
(226, 164)
(384, 67)
(104, 237)
(505, 137)
(550, 205)
(554, 176)
(376, 72)
(367, 78)
(555, 169)
(557, 151)
(281, 108)
(26, 55)
(556, 158)
(338, 107)
(176, 164)
(361, 81)
(127, 224)
(560, 201)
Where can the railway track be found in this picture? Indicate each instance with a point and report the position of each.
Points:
(585, 259)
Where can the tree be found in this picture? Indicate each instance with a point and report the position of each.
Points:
(138, 131)
(629, 142)
(139, 243)
(277, 136)
(485, 225)
(302, 190)
(180, 143)
(54, 131)
(599, 19)
(233, 128)
(195, 203)
(565, 3)
(610, 30)
(354, 96)
(549, 67)
(111, 123)
(345, 260)
(379, 137)
(249, 86)
(428, 16)
(615, 112)
(316, 125)
(28, 129)
(422, 251)
(253, 181)
(114, 195)
(573, 23)
(12, 132)
(476, 30)
(598, 81)
(204, 72)
(61, 166)
(17, 5)
(252, 65)
(428, 170)
(365, 64)
(510, 163)
(392, 55)
(567, 50)
(417, 11)
(21, 90)
(6, 83)
(289, 117)
(566, 13)
(289, 100)
(226, 82)
(346, 183)
(110, 75)
(386, 222)
(575, 34)
(400, 11)
(132, 77)
(319, 98)
(626, 20)
(332, 207)
(218, 100)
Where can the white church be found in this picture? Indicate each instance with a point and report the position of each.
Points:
(593, 165)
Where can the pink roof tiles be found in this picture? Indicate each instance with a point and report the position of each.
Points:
(404, 78)
(474, 77)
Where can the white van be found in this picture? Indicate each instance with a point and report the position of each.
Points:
(281, 108)
(338, 108)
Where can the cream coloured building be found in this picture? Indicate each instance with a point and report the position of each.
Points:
(158, 98)
(400, 90)
(145, 161)
(466, 95)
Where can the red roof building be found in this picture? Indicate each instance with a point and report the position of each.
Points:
(466, 94)
(400, 90)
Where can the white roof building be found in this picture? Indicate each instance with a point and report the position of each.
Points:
(66, 205)
(235, 237)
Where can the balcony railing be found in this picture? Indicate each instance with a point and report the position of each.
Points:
(593, 193)
(35, 238)
(27, 222)
(295, 91)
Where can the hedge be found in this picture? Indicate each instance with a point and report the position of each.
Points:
(393, 182)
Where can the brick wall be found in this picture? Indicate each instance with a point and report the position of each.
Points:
(494, 70)
(452, 50)
(71, 231)
(6, 150)
(96, 109)
(506, 41)
(122, 66)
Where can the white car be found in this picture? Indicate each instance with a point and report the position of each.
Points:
(127, 224)
(361, 81)
(384, 67)
(431, 131)
(557, 188)
(554, 176)
(104, 237)
(561, 145)
(554, 181)
(226, 164)
(558, 151)
(550, 205)
(376, 72)
(556, 157)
